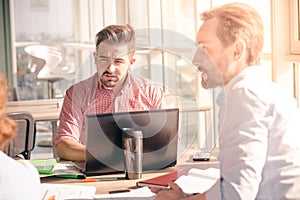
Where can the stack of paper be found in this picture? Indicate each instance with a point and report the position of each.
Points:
(64, 191)
(197, 180)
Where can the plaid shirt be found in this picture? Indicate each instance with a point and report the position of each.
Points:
(90, 97)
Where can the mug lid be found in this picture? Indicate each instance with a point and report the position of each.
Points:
(130, 132)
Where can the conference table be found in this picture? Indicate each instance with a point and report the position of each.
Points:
(49, 110)
(120, 183)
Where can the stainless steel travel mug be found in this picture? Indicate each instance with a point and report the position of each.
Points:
(133, 153)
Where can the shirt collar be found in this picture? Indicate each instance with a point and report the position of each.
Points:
(255, 70)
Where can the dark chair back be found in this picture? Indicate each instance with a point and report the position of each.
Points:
(24, 140)
(12, 94)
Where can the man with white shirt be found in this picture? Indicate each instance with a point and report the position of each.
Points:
(258, 123)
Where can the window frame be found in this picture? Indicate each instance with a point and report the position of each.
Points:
(294, 22)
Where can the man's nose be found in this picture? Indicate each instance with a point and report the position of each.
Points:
(111, 67)
(196, 62)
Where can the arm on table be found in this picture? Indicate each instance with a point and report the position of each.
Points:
(69, 149)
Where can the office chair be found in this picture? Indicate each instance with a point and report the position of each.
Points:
(24, 140)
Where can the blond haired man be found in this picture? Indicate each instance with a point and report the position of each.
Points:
(258, 123)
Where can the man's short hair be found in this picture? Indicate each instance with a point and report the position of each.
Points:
(239, 21)
(114, 34)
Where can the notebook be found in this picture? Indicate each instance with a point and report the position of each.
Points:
(44, 166)
(104, 152)
(163, 180)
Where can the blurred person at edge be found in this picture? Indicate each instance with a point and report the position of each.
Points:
(18, 178)
(112, 89)
(259, 148)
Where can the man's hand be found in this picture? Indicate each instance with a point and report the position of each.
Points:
(175, 192)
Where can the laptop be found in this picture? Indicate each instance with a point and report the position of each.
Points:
(104, 152)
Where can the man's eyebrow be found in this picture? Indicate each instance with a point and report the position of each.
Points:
(103, 57)
(200, 42)
(119, 58)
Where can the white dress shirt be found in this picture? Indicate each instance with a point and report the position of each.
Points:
(18, 179)
(259, 138)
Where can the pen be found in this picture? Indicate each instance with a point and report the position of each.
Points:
(100, 179)
(44, 196)
(118, 191)
(75, 176)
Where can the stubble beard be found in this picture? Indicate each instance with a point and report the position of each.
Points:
(109, 83)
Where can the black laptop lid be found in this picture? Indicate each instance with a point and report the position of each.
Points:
(104, 153)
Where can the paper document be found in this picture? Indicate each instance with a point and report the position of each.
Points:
(143, 193)
(197, 180)
(64, 192)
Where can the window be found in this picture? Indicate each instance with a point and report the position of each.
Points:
(162, 26)
(293, 56)
(295, 26)
(41, 24)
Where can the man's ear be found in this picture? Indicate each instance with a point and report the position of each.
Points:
(95, 56)
(132, 60)
(239, 49)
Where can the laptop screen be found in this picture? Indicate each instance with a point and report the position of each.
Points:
(104, 152)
